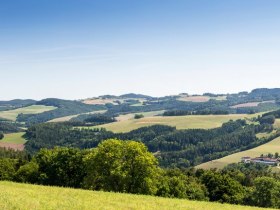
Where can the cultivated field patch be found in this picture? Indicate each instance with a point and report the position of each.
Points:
(13, 141)
(99, 101)
(250, 104)
(131, 115)
(180, 122)
(194, 98)
(67, 118)
(201, 98)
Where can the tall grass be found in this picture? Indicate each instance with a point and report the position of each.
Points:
(31, 197)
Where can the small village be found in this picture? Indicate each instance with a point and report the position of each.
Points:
(268, 160)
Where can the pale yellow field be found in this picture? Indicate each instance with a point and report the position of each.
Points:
(194, 98)
(99, 101)
(32, 197)
(251, 104)
(67, 118)
(131, 116)
(180, 122)
(277, 124)
(34, 109)
(270, 147)
(201, 98)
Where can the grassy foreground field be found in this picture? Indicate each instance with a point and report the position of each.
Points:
(270, 147)
(31, 197)
(180, 122)
(34, 109)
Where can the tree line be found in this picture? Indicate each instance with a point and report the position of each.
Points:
(200, 112)
(128, 167)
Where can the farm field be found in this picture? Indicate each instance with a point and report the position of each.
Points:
(201, 98)
(25, 196)
(131, 116)
(251, 104)
(34, 109)
(277, 124)
(270, 147)
(67, 118)
(99, 101)
(13, 140)
(180, 122)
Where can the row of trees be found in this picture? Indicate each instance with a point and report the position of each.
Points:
(199, 112)
(127, 166)
(9, 127)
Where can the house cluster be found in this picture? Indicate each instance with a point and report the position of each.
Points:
(264, 160)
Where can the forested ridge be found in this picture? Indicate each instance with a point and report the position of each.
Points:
(173, 147)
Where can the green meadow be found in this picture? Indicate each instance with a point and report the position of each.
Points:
(14, 138)
(180, 122)
(32, 197)
(34, 109)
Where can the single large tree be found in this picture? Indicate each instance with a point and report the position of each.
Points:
(121, 166)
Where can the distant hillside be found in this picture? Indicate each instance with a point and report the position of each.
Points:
(16, 103)
(64, 108)
(133, 95)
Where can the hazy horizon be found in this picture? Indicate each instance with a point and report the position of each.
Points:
(93, 96)
(79, 49)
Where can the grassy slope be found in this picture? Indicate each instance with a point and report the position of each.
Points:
(24, 196)
(34, 109)
(181, 122)
(15, 138)
(270, 147)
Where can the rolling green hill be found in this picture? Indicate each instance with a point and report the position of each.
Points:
(25, 196)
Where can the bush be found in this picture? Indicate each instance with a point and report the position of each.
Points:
(28, 173)
(138, 116)
(7, 169)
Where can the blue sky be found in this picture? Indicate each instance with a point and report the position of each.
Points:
(82, 48)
